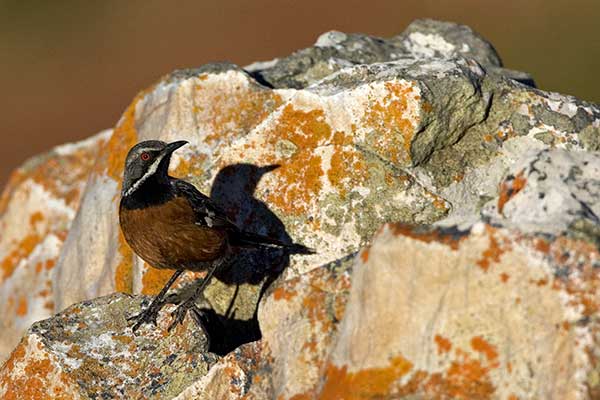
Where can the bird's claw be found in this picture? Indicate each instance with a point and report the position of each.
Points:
(181, 311)
(148, 316)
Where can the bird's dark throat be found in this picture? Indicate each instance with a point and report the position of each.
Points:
(152, 192)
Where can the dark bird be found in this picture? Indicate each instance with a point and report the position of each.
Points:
(172, 225)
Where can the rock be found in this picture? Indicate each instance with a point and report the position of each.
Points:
(299, 321)
(229, 379)
(36, 211)
(489, 189)
(422, 39)
(483, 313)
(551, 192)
(430, 38)
(89, 352)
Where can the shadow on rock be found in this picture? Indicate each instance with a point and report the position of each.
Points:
(252, 269)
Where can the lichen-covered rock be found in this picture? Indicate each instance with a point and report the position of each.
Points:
(89, 352)
(551, 192)
(422, 39)
(323, 147)
(230, 378)
(299, 323)
(434, 312)
(482, 313)
(36, 211)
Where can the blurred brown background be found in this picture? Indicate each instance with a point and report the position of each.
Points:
(69, 68)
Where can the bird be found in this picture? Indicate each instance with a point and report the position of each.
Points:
(170, 224)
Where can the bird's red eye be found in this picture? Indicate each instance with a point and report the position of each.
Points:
(145, 156)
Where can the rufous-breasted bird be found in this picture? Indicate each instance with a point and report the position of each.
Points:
(172, 225)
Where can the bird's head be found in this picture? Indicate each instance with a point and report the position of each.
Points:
(147, 160)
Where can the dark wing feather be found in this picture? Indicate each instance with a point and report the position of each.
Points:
(207, 212)
(210, 215)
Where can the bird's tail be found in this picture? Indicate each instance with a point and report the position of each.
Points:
(248, 239)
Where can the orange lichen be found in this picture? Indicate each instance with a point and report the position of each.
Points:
(284, 293)
(49, 305)
(504, 277)
(364, 255)
(368, 383)
(388, 117)
(506, 133)
(306, 129)
(300, 183)
(21, 251)
(124, 270)
(542, 245)
(61, 175)
(232, 110)
(125, 339)
(35, 218)
(299, 176)
(428, 236)
(154, 279)
(427, 107)
(190, 167)
(443, 344)
(21, 306)
(493, 252)
(50, 263)
(438, 202)
(347, 170)
(313, 303)
(458, 177)
(464, 379)
(539, 282)
(480, 345)
(299, 396)
(509, 188)
(122, 139)
(38, 379)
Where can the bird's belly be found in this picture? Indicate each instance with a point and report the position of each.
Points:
(167, 240)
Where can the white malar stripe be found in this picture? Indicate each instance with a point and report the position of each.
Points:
(148, 173)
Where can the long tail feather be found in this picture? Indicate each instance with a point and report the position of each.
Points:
(248, 239)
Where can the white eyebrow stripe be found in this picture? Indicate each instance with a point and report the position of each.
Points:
(148, 173)
(148, 149)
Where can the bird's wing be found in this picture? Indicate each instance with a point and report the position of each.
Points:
(207, 212)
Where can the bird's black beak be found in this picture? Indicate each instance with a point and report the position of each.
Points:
(171, 147)
(268, 168)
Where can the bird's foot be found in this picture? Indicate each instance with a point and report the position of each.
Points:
(181, 311)
(148, 316)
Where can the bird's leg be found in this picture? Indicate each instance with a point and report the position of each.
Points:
(150, 314)
(190, 303)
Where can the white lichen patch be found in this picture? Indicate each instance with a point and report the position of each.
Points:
(554, 194)
(330, 39)
(93, 141)
(428, 45)
(261, 65)
(556, 138)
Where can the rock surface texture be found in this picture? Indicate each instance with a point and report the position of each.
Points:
(455, 210)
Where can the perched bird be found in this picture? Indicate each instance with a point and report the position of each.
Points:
(172, 225)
